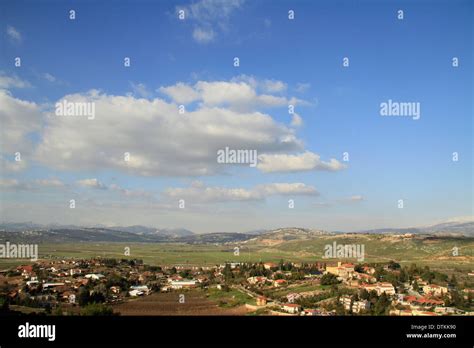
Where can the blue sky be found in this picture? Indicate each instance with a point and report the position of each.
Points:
(282, 62)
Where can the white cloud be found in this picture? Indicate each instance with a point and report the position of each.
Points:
(12, 184)
(140, 90)
(16, 185)
(161, 142)
(262, 85)
(272, 86)
(291, 163)
(18, 119)
(49, 77)
(286, 189)
(49, 182)
(180, 93)
(11, 165)
(14, 34)
(198, 192)
(209, 16)
(241, 93)
(91, 183)
(202, 35)
(212, 10)
(130, 193)
(12, 82)
(296, 120)
(96, 184)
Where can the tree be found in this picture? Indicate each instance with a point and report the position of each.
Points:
(382, 305)
(4, 304)
(393, 265)
(83, 297)
(96, 309)
(403, 276)
(453, 281)
(329, 279)
(364, 294)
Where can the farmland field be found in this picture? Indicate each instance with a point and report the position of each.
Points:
(196, 303)
(435, 252)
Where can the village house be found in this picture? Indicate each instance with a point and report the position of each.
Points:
(183, 284)
(388, 288)
(269, 265)
(94, 276)
(368, 269)
(115, 290)
(26, 271)
(364, 277)
(256, 280)
(356, 306)
(344, 271)
(292, 297)
(359, 306)
(261, 301)
(435, 290)
(346, 300)
(139, 290)
(420, 301)
(279, 282)
(291, 308)
(380, 288)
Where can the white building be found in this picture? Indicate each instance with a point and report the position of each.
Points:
(185, 283)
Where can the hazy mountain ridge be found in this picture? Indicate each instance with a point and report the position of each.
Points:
(465, 228)
(34, 233)
(143, 230)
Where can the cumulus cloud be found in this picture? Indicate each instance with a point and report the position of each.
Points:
(262, 85)
(273, 86)
(292, 163)
(160, 141)
(198, 192)
(241, 93)
(19, 119)
(181, 93)
(14, 34)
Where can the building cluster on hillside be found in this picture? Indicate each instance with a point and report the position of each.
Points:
(282, 289)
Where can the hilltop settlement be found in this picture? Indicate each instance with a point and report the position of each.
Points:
(100, 286)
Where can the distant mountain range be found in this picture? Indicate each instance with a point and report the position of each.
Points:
(465, 228)
(150, 231)
(34, 233)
